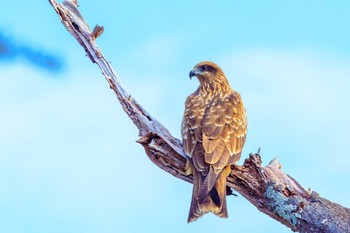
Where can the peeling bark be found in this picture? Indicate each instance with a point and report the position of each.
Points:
(269, 189)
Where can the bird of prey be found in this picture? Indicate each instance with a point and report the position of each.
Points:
(214, 128)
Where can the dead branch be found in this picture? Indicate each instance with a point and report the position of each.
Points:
(267, 188)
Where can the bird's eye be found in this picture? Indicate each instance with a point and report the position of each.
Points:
(204, 67)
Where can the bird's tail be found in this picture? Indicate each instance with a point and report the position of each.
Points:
(212, 201)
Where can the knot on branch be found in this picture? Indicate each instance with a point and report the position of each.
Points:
(162, 153)
(253, 160)
(290, 187)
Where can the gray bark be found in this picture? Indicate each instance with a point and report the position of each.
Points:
(269, 189)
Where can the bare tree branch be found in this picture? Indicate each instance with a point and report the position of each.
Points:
(267, 188)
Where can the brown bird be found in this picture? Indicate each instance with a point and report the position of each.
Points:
(214, 128)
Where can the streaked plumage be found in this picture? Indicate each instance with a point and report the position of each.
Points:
(214, 129)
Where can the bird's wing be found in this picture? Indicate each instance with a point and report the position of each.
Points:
(224, 131)
(192, 124)
(213, 135)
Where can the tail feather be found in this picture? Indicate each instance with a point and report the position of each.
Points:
(214, 201)
(208, 183)
(214, 195)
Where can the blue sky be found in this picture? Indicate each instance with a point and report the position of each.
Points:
(68, 157)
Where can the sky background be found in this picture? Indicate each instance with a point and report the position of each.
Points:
(68, 157)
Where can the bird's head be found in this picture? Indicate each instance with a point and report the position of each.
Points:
(207, 72)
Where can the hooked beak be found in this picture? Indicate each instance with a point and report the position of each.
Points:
(192, 73)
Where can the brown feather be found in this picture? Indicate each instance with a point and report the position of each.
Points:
(213, 157)
(222, 159)
(213, 130)
(217, 132)
(198, 160)
(209, 144)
